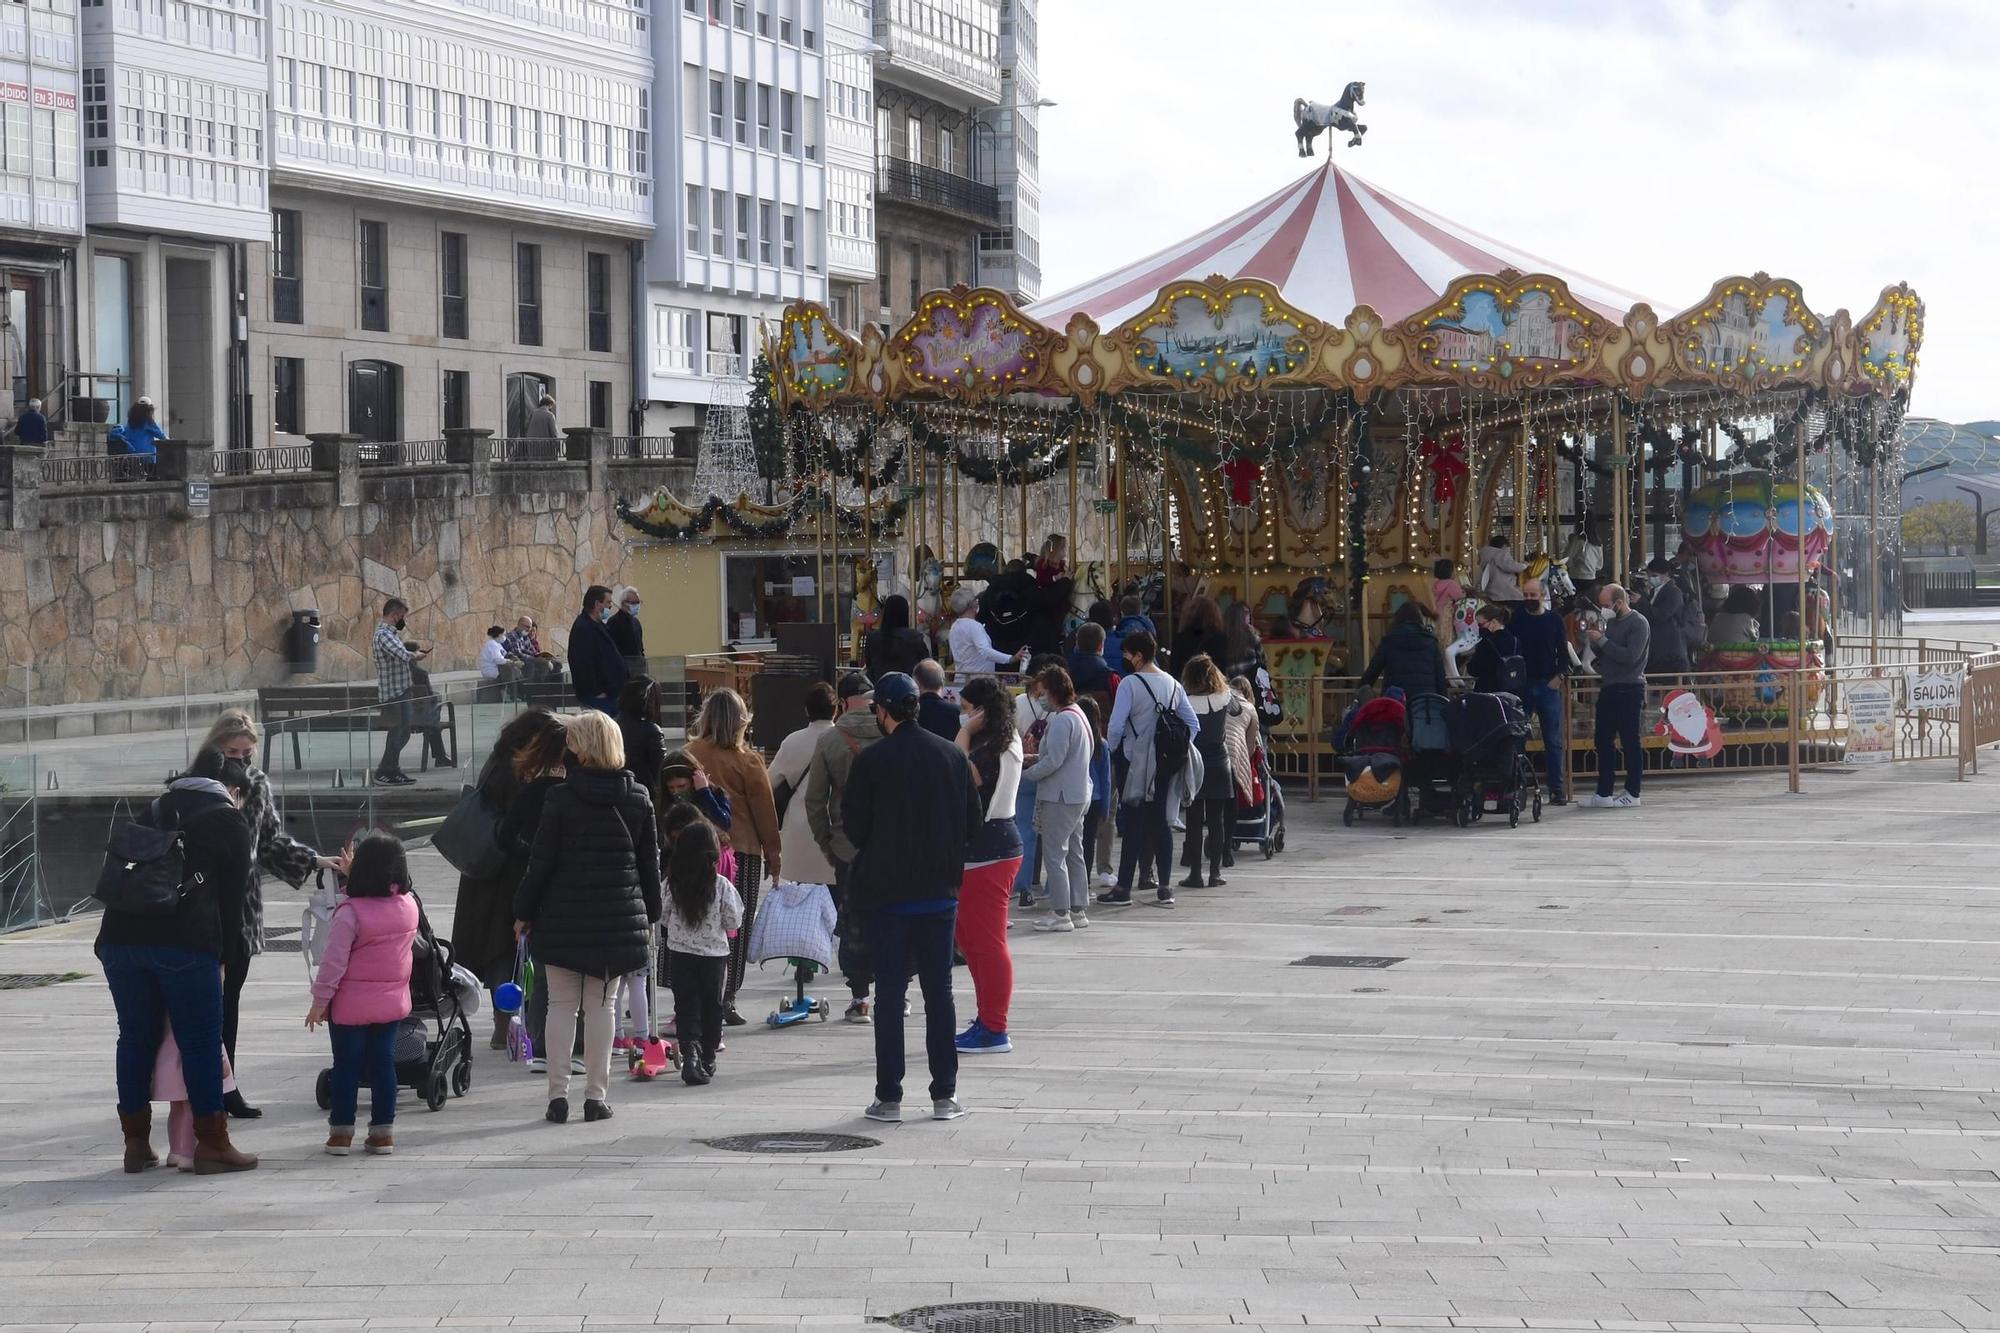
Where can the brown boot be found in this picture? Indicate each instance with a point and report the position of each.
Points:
(138, 1127)
(213, 1152)
(501, 1023)
(340, 1141)
(381, 1142)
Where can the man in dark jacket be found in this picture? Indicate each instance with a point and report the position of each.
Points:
(1545, 656)
(935, 713)
(908, 805)
(1665, 608)
(626, 632)
(597, 670)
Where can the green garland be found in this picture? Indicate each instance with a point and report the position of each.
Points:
(802, 508)
(1028, 461)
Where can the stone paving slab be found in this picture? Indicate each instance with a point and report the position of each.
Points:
(1726, 1063)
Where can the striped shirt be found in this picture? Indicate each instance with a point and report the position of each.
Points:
(392, 662)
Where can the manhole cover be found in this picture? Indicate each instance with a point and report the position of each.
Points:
(1344, 960)
(35, 980)
(1005, 1317)
(804, 1141)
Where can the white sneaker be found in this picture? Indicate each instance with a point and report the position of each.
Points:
(1593, 801)
(1624, 800)
(538, 1065)
(946, 1108)
(889, 1113)
(1054, 925)
(1107, 880)
(575, 1064)
(1078, 919)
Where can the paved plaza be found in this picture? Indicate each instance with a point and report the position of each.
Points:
(1726, 1062)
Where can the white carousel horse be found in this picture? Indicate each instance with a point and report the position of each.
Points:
(1312, 117)
(1465, 634)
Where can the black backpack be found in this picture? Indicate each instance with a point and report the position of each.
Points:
(145, 869)
(1514, 675)
(1172, 737)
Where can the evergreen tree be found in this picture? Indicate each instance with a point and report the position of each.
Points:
(767, 427)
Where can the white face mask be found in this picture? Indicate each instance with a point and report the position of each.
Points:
(633, 608)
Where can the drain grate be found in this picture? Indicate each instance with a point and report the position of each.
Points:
(1005, 1317)
(282, 946)
(1345, 960)
(804, 1141)
(35, 980)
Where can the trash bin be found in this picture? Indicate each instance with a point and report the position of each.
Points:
(302, 643)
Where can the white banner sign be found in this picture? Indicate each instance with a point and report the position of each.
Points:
(1937, 690)
(1871, 721)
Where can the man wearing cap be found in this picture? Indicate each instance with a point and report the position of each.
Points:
(825, 785)
(907, 806)
(972, 650)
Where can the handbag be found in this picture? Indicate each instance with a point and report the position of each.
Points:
(469, 838)
(145, 870)
(782, 792)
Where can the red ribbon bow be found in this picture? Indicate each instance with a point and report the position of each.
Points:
(1243, 475)
(1446, 460)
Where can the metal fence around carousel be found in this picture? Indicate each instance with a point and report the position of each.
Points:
(1753, 711)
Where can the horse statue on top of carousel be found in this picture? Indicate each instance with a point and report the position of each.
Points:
(1312, 117)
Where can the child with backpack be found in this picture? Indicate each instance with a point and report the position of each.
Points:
(362, 991)
(704, 910)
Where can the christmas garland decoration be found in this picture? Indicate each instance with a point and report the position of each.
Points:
(812, 450)
(802, 507)
(1023, 463)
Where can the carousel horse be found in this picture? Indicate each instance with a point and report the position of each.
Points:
(1086, 588)
(927, 596)
(1312, 117)
(1307, 610)
(867, 603)
(1553, 576)
(1465, 634)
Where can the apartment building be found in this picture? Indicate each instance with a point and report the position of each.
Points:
(740, 206)
(460, 194)
(1010, 254)
(850, 160)
(176, 175)
(41, 196)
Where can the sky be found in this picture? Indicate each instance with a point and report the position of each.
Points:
(1655, 144)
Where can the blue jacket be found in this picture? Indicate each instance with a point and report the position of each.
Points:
(1100, 778)
(32, 427)
(142, 440)
(1114, 642)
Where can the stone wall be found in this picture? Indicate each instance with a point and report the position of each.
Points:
(126, 593)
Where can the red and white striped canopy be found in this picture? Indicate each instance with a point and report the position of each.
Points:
(1329, 242)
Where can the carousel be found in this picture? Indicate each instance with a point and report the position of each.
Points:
(1310, 404)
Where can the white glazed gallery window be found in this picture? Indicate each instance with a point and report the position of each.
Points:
(674, 337)
(694, 218)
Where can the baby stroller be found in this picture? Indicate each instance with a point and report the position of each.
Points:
(796, 924)
(1263, 821)
(1489, 739)
(1374, 745)
(434, 1044)
(1433, 779)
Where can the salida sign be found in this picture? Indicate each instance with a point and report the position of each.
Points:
(1935, 690)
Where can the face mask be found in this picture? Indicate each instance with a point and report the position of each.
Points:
(633, 607)
(606, 611)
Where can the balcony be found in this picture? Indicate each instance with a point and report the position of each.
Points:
(958, 75)
(910, 182)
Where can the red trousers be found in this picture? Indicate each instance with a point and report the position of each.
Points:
(982, 937)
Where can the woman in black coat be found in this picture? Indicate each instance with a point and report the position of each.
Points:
(639, 725)
(589, 900)
(892, 645)
(166, 971)
(482, 927)
(1409, 656)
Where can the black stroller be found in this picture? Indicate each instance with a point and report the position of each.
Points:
(1489, 740)
(434, 1045)
(1432, 780)
(1262, 824)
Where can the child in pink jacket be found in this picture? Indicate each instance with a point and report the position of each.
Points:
(363, 990)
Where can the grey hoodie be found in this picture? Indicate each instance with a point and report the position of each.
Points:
(1621, 657)
(826, 778)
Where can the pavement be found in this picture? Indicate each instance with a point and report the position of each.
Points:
(1723, 1064)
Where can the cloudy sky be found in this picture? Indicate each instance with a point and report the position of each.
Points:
(1657, 144)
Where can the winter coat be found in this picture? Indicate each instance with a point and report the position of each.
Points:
(364, 975)
(937, 715)
(278, 853)
(482, 922)
(216, 844)
(1488, 659)
(1114, 642)
(908, 805)
(1665, 609)
(1500, 573)
(1090, 673)
(826, 780)
(1134, 713)
(894, 650)
(1223, 737)
(592, 889)
(645, 753)
(804, 861)
(628, 634)
(1192, 643)
(597, 669)
(795, 920)
(1410, 657)
(743, 778)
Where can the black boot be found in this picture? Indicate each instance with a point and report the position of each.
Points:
(233, 1103)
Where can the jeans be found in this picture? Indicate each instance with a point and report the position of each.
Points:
(362, 1050)
(603, 703)
(1546, 703)
(1148, 844)
(1065, 864)
(1208, 822)
(152, 987)
(597, 999)
(903, 946)
(401, 720)
(982, 937)
(853, 949)
(1024, 824)
(1618, 709)
(698, 984)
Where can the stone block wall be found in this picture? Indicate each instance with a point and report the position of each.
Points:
(128, 595)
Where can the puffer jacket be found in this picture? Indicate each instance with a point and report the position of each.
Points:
(592, 890)
(364, 976)
(826, 780)
(217, 845)
(1410, 657)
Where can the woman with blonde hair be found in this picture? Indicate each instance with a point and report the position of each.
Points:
(721, 745)
(589, 901)
(277, 853)
(1222, 740)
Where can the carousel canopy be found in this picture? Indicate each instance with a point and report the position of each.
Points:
(1329, 241)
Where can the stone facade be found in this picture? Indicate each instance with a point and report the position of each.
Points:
(126, 594)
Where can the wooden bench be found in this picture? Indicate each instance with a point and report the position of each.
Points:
(301, 710)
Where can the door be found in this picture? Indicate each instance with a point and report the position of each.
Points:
(24, 340)
(524, 392)
(374, 401)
